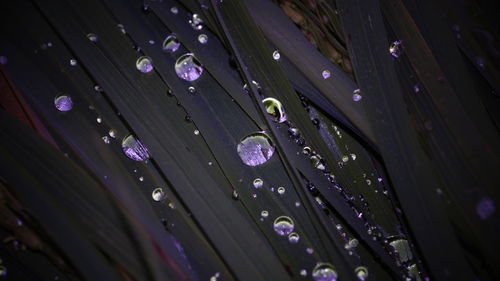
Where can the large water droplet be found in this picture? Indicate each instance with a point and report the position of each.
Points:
(188, 67)
(255, 149)
(258, 183)
(144, 64)
(171, 44)
(275, 108)
(396, 49)
(196, 22)
(158, 194)
(402, 249)
(324, 272)
(134, 149)
(293, 238)
(361, 273)
(283, 225)
(63, 103)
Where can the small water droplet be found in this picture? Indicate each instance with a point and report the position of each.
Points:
(361, 273)
(396, 49)
(144, 64)
(324, 272)
(264, 214)
(134, 149)
(317, 163)
(255, 149)
(112, 133)
(356, 95)
(281, 190)
(351, 244)
(306, 150)
(99, 119)
(63, 103)
(174, 10)
(141, 178)
(297, 204)
(283, 225)
(73, 62)
(171, 44)
(276, 55)
(196, 132)
(326, 74)
(106, 139)
(92, 37)
(303, 272)
(203, 38)
(416, 89)
(258, 183)
(235, 195)
(402, 248)
(187, 67)
(254, 196)
(353, 156)
(121, 28)
(345, 158)
(275, 108)
(310, 251)
(196, 22)
(247, 89)
(191, 89)
(158, 194)
(293, 237)
(98, 89)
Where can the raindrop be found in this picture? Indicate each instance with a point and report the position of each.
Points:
(134, 149)
(283, 225)
(255, 149)
(396, 49)
(141, 178)
(293, 238)
(203, 38)
(317, 163)
(324, 272)
(361, 272)
(402, 249)
(196, 22)
(258, 183)
(73, 62)
(92, 37)
(174, 10)
(122, 28)
(171, 44)
(191, 89)
(106, 139)
(98, 88)
(297, 204)
(112, 133)
(281, 190)
(353, 156)
(196, 132)
(264, 214)
(310, 251)
(235, 195)
(188, 67)
(351, 244)
(275, 108)
(158, 194)
(276, 55)
(99, 119)
(345, 158)
(326, 74)
(303, 273)
(144, 64)
(356, 95)
(306, 150)
(63, 103)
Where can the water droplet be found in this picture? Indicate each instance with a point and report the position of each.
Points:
(258, 183)
(92, 37)
(275, 108)
(196, 22)
(416, 89)
(134, 149)
(326, 74)
(73, 62)
(3, 60)
(293, 238)
(345, 158)
(171, 44)
(303, 272)
(141, 178)
(310, 251)
(98, 89)
(144, 64)
(264, 214)
(485, 208)
(255, 149)
(351, 244)
(99, 119)
(276, 55)
(112, 133)
(324, 272)
(196, 132)
(3, 271)
(356, 95)
(480, 62)
(247, 89)
(281, 190)
(361, 272)
(254, 196)
(396, 49)
(106, 139)
(121, 28)
(63, 103)
(191, 89)
(317, 163)
(297, 204)
(174, 10)
(158, 194)
(188, 67)
(353, 156)
(203, 38)
(306, 150)
(283, 225)
(235, 195)
(402, 249)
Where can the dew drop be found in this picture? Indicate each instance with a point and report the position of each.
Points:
(361, 273)
(106, 139)
(196, 132)
(275, 108)
(174, 10)
(351, 244)
(171, 44)
(144, 64)
(196, 22)
(281, 190)
(247, 89)
(345, 158)
(356, 95)
(191, 89)
(203, 38)
(63, 103)
(264, 214)
(353, 156)
(99, 119)
(276, 55)
(187, 67)
(310, 251)
(92, 37)
(121, 28)
(293, 238)
(255, 149)
(303, 272)
(283, 225)
(402, 249)
(326, 74)
(134, 149)
(158, 194)
(396, 49)
(324, 272)
(112, 133)
(73, 62)
(317, 163)
(258, 183)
